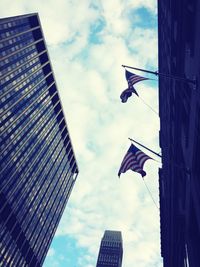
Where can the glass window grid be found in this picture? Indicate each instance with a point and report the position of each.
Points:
(32, 189)
(8, 243)
(41, 217)
(48, 167)
(14, 44)
(22, 119)
(8, 32)
(20, 259)
(64, 179)
(23, 76)
(3, 258)
(17, 125)
(41, 204)
(24, 176)
(22, 263)
(24, 61)
(66, 183)
(58, 181)
(23, 142)
(36, 102)
(6, 23)
(16, 121)
(26, 100)
(16, 256)
(57, 205)
(5, 240)
(60, 206)
(5, 183)
(6, 59)
(5, 245)
(2, 232)
(49, 113)
(24, 130)
(69, 186)
(12, 41)
(11, 116)
(15, 61)
(10, 252)
(19, 22)
(37, 142)
(50, 194)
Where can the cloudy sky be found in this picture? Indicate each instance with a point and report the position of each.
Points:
(88, 41)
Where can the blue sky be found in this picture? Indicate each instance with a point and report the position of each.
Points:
(88, 41)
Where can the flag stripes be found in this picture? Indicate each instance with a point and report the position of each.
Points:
(133, 160)
(131, 79)
(135, 78)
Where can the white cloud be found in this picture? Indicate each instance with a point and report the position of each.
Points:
(144, 41)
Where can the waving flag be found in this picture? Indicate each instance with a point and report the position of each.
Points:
(131, 79)
(134, 160)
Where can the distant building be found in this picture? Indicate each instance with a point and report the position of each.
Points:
(179, 55)
(37, 163)
(111, 251)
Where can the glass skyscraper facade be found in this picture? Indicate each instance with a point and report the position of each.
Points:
(37, 164)
(111, 250)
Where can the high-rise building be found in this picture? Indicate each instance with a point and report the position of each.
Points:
(179, 110)
(37, 164)
(111, 250)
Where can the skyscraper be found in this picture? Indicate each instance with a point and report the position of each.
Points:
(179, 111)
(111, 251)
(37, 164)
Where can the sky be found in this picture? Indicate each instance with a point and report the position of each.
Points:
(88, 41)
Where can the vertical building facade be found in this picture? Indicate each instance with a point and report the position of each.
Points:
(37, 164)
(179, 110)
(111, 250)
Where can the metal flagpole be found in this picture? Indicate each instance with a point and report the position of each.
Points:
(146, 148)
(163, 75)
(187, 170)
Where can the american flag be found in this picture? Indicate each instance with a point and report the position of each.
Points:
(134, 160)
(131, 79)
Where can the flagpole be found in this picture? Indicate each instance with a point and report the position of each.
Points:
(146, 148)
(187, 170)
(163, 74)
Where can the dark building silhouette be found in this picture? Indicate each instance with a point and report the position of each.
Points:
(111, 251)
(179, 177)
(37, 163)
